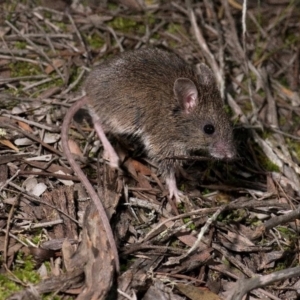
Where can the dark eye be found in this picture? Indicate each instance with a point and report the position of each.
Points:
(209, 129)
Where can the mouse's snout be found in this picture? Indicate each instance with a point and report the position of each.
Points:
(222, 150)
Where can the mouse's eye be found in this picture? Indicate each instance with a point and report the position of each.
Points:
(209, 129)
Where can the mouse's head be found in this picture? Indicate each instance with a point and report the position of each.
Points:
(203, 121)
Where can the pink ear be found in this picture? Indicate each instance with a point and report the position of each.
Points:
(186, 93)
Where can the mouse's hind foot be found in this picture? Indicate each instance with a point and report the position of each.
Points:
(109, 154)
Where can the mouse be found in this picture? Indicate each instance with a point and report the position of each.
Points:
(156, 96)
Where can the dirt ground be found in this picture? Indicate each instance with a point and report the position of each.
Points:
(235, 233)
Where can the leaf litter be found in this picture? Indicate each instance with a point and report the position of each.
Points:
(235, 233)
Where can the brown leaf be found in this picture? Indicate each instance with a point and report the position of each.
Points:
(55, 62)
(196, 293)
(9, 145)
(74, 148)
(25, 126)
(140, 168)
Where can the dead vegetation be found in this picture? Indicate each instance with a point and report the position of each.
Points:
(239, 220)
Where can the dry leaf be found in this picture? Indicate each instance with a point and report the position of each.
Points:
(23, 142)
(140, 168)
(9, 145)
(51, 138)
(55, 62)
(25, 126)
(64, 181)
(196, 293)
(34, 187)
(74, 148)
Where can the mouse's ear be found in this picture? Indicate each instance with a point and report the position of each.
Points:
(206, 76)
(186, 93)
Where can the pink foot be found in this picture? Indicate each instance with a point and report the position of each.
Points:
(173, 190)
(109, 152)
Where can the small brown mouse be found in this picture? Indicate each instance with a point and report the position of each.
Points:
(156, 96)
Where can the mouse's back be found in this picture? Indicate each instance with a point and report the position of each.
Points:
(135, 85)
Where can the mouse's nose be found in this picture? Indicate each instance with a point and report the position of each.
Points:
(223, 150)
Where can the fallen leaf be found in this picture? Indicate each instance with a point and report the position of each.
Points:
(23, 142)
(55, 62)
(25, 126)
(9, 144)
(196, 293)
(51, 138)
(34, 187)
(141, 168)
(74, 148)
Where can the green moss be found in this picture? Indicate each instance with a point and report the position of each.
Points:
(254, 222)
(232, 216)
(37, 238)
(279, 267)
(24, 270)
(247, 106)
(7, 286)
(127, 25)
(22, 68)
(282, 120)
(287, 233)
(206, 191)
(9, 7)
(294, 145)
(269, 166)
(291, 39)
(47, 14)
(62, 26)
(53, 83)
(156, 36)
(95, 41)
(121, 23)
(150, 19)
(227, 109)
(112, 6)
(191, 225)
(20, 45)
(263, 160)
(174, 28)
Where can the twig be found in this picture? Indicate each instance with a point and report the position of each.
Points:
(203, 45)
(46, 224)
(75, 82)
(275, 221)
(35, 62)
(246, 285)
(35, 124)
(28, 87)
(205, 228)
(9, 180)
(78, 34)
(7, 229)
(177, 260)
(32, 77)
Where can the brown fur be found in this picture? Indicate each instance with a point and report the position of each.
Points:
(134, 94)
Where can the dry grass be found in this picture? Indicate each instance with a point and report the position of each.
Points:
(239, 219)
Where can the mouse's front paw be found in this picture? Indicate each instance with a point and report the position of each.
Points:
(173, 190)
(179, 196)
